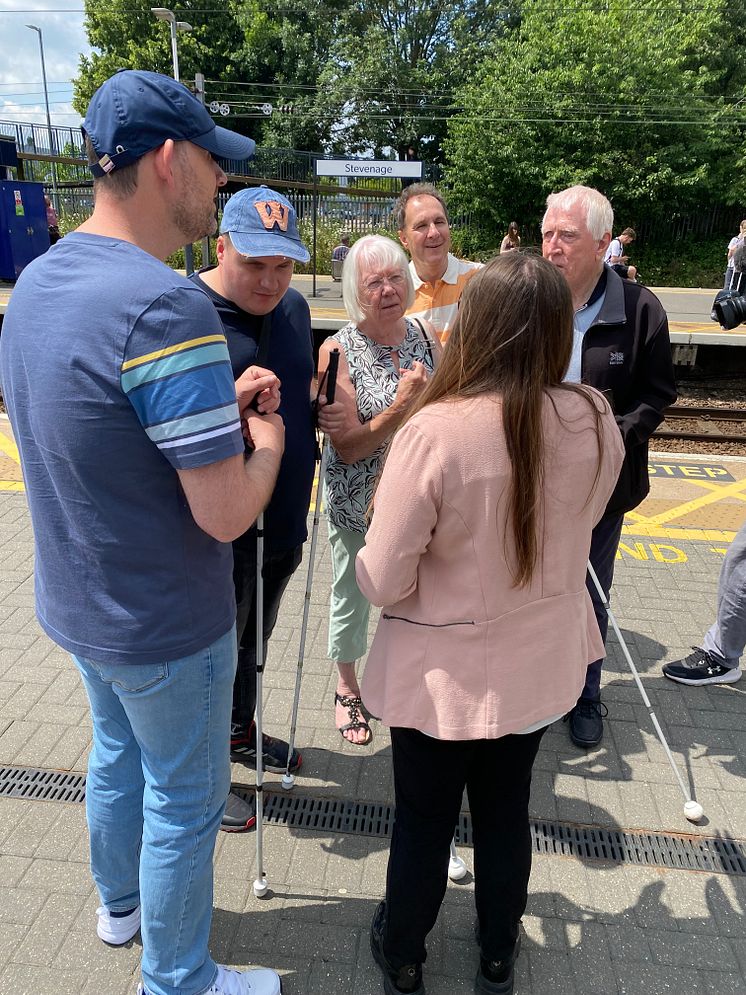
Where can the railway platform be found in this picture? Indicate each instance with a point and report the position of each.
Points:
(626, 897)
(688, 313)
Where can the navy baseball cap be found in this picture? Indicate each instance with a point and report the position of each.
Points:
(261, 222)
(136, 111)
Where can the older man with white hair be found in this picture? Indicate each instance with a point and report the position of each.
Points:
(622, 348)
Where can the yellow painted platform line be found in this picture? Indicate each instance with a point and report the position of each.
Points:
(328, 312)
(735, 489)
(11, 485)
(708, 328)
(682, 534)
(9, 448)
(709, 485)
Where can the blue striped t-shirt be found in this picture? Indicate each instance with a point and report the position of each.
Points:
(116, 374)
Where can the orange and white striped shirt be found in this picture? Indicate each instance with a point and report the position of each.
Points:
(438, 302)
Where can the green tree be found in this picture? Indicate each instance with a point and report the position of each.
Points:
(284, 50)
(394, 65)
(637, 99)
(126, 35)
(251, 53)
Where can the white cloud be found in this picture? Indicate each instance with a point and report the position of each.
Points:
(21, 91)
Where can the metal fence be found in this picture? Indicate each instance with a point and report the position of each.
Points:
(354, 214)
(289, 165)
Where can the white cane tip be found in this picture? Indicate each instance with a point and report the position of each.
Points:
(457, 869)
(260, 887)
(693, 811)
(288, 781)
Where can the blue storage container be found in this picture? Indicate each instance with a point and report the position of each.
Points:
(23, 226)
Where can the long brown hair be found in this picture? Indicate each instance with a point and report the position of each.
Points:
(513, 336)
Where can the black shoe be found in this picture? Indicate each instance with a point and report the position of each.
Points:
(497, 977)
(408, 979)
(243, 750)
(587, 722)
(700, 667)
(239, 815)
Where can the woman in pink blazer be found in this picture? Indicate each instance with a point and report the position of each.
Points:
(477, 551)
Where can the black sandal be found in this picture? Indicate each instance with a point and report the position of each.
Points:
(353, 705)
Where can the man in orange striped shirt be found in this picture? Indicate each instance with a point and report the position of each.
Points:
(439, 277)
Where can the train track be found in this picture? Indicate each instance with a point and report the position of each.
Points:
(704, 424)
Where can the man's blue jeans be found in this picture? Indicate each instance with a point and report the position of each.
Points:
(158, 777)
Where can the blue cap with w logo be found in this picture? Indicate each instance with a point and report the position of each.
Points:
(261, 222)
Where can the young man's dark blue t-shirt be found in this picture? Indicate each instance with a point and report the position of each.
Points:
(290, 356)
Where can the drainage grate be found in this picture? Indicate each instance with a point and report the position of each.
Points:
(692, 853)
(41, 785)
(299, 810)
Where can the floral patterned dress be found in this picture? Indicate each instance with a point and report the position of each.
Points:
(375, 379)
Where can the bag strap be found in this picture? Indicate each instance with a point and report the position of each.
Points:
(426, 337)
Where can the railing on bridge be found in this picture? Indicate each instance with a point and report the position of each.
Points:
(287, 165)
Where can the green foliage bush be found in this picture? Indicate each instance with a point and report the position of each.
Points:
(696, 261)
(176, 261)
(328, 235)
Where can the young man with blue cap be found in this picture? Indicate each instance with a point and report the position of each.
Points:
(250, 287)
(118, 383)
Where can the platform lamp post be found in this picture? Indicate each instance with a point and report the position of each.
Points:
(164, 14)
(52, 150)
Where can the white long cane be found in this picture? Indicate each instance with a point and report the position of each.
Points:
(692, 809)
(260, 882)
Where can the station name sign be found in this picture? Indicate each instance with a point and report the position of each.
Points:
(368, 167)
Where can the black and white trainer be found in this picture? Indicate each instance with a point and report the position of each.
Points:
(700, 667)
(275, 758)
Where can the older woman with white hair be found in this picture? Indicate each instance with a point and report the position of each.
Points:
(385, 362)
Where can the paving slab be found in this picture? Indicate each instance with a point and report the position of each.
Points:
(590, 927)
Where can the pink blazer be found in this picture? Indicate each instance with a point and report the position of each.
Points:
(459, 652)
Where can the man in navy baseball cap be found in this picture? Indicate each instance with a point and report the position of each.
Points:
(118, 382)
(135, 111)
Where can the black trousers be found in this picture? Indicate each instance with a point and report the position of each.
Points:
(277, 570)
(429, 780)
(604, 544)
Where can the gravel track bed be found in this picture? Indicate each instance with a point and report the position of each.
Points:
(727, 392)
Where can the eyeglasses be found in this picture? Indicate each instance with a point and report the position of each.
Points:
(376, 285)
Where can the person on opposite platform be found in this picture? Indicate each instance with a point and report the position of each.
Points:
(118, 383)
(250, 287)
(617, 259)
(438, 276)
(620, 346)
(477, 552)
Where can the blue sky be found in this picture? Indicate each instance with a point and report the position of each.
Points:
(21, 91)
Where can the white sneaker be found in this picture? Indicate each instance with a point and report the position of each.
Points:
(260, 981)
(117, 930)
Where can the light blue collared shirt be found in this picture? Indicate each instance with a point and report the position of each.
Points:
(581, 322)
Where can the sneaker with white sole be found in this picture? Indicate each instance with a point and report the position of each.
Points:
(260, 981)
(117, 930)
(699, 668)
